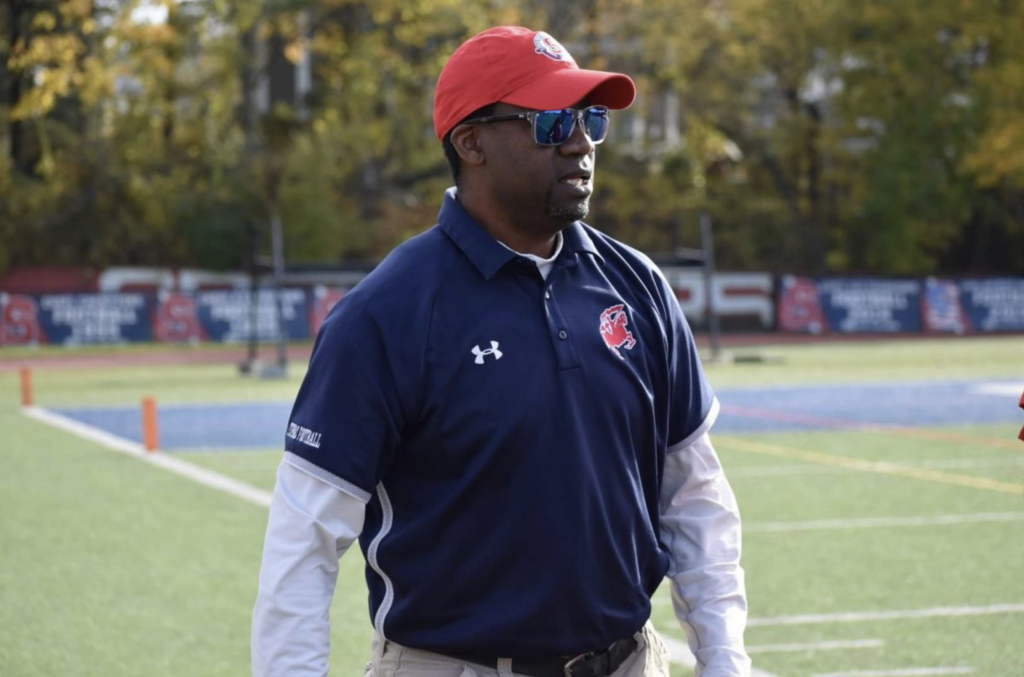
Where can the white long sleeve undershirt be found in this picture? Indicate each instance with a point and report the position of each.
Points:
(700, 525)
(311, 525)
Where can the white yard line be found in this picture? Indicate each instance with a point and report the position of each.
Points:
(679, 653)
(816, 646)
(1001, 389)
(883, 522)
(857, 616)
(207, 478)
(905, 672)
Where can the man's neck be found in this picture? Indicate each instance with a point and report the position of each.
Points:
(504, 229)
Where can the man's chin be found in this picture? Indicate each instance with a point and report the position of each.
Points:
(570, 212)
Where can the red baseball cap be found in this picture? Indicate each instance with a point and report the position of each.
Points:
(515, 65)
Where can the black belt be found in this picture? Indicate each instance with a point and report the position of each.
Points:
(593, 664)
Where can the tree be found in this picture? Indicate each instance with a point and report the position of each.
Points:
(823, 136)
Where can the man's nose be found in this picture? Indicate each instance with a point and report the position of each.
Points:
(578, 143)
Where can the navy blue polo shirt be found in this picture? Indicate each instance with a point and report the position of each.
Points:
(508, 433)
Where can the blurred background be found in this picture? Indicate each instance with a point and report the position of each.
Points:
(821, 136)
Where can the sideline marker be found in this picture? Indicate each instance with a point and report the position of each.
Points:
(150, 429)
(26, 387)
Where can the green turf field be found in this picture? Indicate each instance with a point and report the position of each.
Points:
(113, 567)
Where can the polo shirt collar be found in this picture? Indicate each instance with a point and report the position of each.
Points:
(486, 253)
(577, 240)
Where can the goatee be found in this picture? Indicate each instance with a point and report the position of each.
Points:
(569, 213)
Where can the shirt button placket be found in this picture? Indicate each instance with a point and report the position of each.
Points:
(564, 349)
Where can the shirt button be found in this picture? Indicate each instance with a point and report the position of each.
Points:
(547, 295)
(562, 334)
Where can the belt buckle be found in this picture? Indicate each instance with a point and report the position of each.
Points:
(578, 659)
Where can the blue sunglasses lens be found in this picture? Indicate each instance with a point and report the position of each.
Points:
(595, 121)
(554, 127)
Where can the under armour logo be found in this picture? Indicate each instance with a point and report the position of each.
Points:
(493, 350)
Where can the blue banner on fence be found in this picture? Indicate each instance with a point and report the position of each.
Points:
(995, 304)
(228, 316)
(82, 319)
(806, 305)
(166, 317)
(871, 306)
(849, 305)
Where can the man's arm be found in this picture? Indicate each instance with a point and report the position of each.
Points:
(700, 525)
(311, 525)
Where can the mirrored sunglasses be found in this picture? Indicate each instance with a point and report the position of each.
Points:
(555, 127)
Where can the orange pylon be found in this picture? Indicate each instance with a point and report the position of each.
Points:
(26, 387)
(150, 429)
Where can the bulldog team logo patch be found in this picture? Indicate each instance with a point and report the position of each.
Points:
(551, 48)
(614, 332)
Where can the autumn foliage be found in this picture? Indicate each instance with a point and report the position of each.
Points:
(821, 135)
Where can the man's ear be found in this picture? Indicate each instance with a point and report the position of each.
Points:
(467, 143)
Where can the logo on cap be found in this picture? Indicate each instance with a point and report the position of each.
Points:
(549, 47)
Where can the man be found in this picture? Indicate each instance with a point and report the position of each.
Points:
(510, 415)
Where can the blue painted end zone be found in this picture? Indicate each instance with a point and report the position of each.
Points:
(744, 410)
(211, 426)
(914, 405)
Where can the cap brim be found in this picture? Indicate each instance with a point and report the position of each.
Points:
(569, 86)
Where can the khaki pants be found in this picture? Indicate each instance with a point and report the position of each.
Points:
(393, 660)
